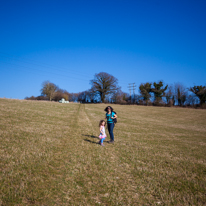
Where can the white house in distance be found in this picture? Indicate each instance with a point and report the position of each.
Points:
(63, 101)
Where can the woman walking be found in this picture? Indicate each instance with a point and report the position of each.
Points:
(110, 116)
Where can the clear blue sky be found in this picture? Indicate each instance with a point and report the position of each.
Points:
(67, 42)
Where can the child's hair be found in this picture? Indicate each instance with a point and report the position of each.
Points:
(100, 123)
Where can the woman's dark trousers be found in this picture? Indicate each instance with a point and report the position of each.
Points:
(110, 129)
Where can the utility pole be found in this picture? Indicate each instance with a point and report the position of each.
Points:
(134, 91)
(130, 88)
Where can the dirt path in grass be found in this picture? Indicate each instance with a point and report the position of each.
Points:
(117, 175)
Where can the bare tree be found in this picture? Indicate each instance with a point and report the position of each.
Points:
(169, 95)
(73, 97)
(180, 93)
(104, 84)
(91, 96)
(192, 100)
(119, 96)
(126, 97)
(84, 96)
(48, 89)
(60, 93)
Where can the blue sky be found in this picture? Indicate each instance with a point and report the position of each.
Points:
(67, 42)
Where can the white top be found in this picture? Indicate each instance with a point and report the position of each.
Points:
(102, 130)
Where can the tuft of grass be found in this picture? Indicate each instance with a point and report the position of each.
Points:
(50, 156)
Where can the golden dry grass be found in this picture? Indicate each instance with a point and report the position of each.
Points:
(50, 156)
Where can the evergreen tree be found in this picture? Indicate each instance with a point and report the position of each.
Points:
(145, 90)
(158, 91)
(200, 91)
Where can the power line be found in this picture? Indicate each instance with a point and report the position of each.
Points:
(28, 69)
(43, 72)
(45, 65)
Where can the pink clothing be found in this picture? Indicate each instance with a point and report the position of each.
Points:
(102, 136)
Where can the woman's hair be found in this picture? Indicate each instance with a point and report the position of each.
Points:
(106, 109)
(100, 123)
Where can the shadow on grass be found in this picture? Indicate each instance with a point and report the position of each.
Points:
(92, 136)
(87, 140)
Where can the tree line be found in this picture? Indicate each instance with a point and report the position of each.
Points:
(171, 95)
(105, 89)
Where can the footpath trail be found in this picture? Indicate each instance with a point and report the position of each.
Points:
(101, 177)
(115, 183)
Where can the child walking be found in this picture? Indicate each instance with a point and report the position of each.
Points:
(102, 135)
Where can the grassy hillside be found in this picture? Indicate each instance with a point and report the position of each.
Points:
(50, 156)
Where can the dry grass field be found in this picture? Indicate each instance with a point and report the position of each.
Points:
(50, 156)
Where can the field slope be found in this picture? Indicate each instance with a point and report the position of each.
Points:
(50, 156)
